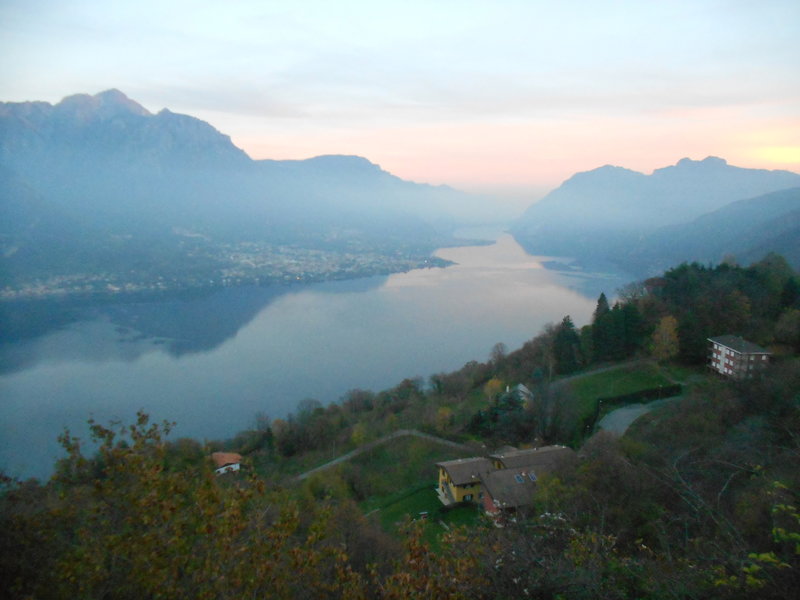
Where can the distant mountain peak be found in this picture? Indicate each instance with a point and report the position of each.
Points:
(344, 161)
(109, 103)
(708, 161)
(114, 96)
(111, 128)
(606, 173)
(597, 212)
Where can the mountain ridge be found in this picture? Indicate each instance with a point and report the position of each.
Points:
(130, 179)
(744, 230)
(598, 216)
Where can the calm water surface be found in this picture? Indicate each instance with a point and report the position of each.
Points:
(211, 363)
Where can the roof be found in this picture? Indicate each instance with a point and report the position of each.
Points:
(466, 470)
(225, 458)
(734, 342)
(523, 389)
(510, 488)
(545, 456)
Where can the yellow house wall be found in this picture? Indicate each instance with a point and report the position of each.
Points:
(443, 478)
(459, 491)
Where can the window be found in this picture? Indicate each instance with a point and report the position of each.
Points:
(467, 497)
(532, 476)
(519, 478)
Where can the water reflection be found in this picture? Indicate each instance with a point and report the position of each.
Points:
(102, 331)
(211, 363)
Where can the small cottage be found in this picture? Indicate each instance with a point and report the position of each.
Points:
(226, 462)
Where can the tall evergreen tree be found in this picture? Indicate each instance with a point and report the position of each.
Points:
(566, 347)
(634, 328)
(790, 296)
(602, 308)
(601, 330)
(615, 344)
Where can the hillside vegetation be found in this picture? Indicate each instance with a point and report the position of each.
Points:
(697, 500)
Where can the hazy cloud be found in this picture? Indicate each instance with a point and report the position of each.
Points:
(323, 69)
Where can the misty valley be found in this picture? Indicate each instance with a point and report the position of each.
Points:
(148, 248)
(223, 377)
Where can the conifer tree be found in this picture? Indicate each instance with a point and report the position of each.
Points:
(566, 347)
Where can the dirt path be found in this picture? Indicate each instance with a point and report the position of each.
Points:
(383, 440)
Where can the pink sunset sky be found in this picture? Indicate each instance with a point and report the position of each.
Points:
(505, 97)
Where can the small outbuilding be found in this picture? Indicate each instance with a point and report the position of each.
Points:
(226, 462)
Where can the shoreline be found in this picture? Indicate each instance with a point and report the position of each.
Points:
(161, 293)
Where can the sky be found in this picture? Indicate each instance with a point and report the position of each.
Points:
(507, 97)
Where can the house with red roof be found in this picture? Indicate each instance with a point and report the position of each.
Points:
(226, 462)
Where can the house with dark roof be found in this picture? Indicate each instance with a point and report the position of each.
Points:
(735, 357)
(508, 489)
(530, 457)
(520, 393)
(460, 480)
(503, 481)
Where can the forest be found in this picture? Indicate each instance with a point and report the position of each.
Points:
(698, 499)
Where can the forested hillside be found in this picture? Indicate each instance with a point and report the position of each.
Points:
(691, 211)
(746, 229)
(697, 500)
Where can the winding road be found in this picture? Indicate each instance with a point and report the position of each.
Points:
(369, 446)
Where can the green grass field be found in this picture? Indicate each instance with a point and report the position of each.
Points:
(402, 464)
(422, 504)
(624, 380)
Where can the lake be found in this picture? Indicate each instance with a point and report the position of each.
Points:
(212, 362)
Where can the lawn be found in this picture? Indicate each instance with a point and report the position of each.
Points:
(624, 380)
(401, 464)
(409, 504)
(683, 374)
(422, 504)
(402, 478)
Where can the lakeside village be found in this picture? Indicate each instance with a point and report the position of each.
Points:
(247, 263)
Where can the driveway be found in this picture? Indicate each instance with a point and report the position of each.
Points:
(618, 421)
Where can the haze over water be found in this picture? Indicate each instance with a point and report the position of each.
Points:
(238, 352)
